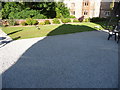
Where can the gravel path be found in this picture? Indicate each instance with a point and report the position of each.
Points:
(81, 60)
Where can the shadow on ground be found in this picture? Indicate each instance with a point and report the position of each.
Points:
(14, 32)
(81, 60)
(69, 29)
(5, 42)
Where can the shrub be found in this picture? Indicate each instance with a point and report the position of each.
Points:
(65, 20)
(42, 23)
(47, 22)
(56, 21)
(23, 23)
(39, 16)
(31, 21)
(4, 23)
(72, 16)
(11, 22)
(75, 20)
(61, 10)
(87, 20)
(34, 22)
(97, 19)
(69, 20)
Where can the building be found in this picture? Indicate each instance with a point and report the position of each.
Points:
(105, 10)
(108, 9)
(117, 9)
(87, 8)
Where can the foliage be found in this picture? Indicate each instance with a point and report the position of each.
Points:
(27, 14)
(47, 22)
(97, 19)
(86, 20)
(4, 23)
(58, 13)
(39, 16)
(65, 20)
(11, 22)
(34, 22)
(62, 10)
(42, 23)
(31, 21)
(35, 10)
(56, 21)
(10, 8)
(23, 23)
(75, 20)
(71, 16)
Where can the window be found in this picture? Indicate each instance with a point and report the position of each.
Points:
(72, 4)
(85, 12)
(72, 12)
(85, 3)
(107, 13)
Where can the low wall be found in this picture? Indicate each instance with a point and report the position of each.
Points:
(18, 21)
(39, 20)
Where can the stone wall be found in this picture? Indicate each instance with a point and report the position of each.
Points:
(39, 20)
(19, 21)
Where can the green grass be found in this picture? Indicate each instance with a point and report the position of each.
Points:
(47, 30)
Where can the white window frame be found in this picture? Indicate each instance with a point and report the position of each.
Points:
(107, 13)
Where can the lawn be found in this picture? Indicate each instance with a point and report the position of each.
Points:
(23, 32)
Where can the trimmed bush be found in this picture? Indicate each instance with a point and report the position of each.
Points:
(86, 20)
(72, 16)
(34, 22)
(5, 23)
(31, 21)
(75, 20)
(97, 19)
(56, 21)
(69, 20)
(47, 22)
(11, 22)
(23, 23)
(65, 20)
(42, 23)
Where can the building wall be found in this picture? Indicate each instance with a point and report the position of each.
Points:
(74, 7)
(79, 7)
(97, 8)
(105, 10)
(117, 9)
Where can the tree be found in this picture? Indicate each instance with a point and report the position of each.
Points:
(10, 7)
(62, 10)
(22, 10)
(0, 10)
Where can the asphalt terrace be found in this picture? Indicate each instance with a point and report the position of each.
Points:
(81, 60)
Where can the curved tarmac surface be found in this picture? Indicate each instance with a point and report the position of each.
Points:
(81, 60)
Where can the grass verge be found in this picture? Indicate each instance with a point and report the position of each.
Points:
(47, 30)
